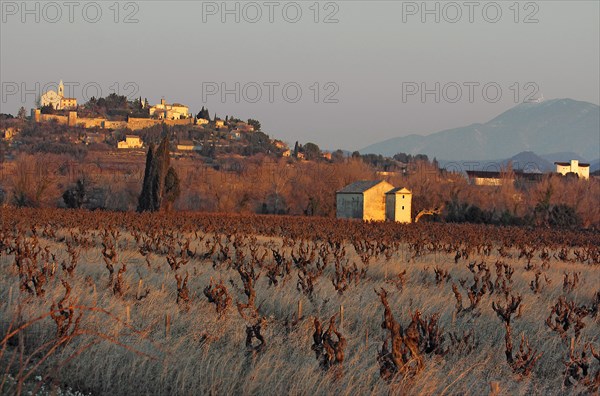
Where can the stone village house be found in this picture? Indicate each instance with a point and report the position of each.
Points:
(375, 200)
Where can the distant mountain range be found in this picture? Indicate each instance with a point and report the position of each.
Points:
(558, 130)
(527, 161)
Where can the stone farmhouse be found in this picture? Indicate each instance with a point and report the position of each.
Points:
(130, 142)
(580, 169)
(188, 145)
(374, 200)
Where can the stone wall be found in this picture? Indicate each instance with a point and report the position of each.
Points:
(140, 123)
(133, 123)
(398, 207)
(374, 202)
(349, 206)
(114, 124)
(185, 121)
(91, 122)
(49, 117)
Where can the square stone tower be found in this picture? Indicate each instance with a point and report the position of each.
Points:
(398, 204)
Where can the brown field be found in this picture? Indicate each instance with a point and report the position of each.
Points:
(118, 303)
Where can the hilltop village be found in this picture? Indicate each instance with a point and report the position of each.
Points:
(116, 117)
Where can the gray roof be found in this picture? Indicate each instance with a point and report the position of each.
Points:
(359, 186)
(404, 190)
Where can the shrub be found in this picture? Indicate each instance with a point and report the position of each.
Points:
(563, 216)
(76, 196)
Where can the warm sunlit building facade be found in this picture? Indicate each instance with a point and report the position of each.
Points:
(580, 169)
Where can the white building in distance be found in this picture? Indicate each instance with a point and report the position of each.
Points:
(580, 169)
(167, 111)
(57, 99)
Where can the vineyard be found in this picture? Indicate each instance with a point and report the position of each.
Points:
(189, 303)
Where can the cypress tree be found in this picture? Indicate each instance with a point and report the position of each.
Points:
(161, 165)
(145, 200)
(172, 187)
(161, 187)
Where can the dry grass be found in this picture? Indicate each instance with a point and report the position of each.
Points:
(206, 354)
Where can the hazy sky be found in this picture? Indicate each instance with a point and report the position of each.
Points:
(370, 59)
